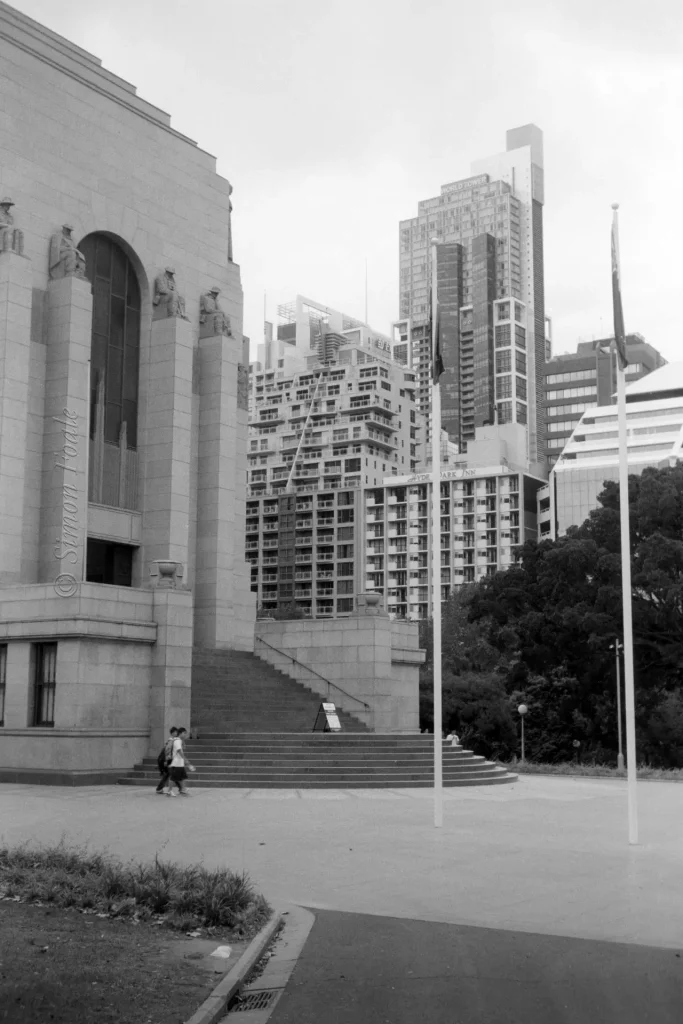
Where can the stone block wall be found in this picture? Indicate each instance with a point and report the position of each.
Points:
(369, 657)
(122, 675)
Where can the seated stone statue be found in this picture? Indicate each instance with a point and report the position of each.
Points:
(211, 317)
(65, 259)
(11, 238)
(167, 301)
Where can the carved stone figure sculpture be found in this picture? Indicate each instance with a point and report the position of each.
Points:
(167, 301)
(212, 319)
(11, 238)
(65, 259)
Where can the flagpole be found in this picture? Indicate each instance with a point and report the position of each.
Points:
(626, 593)
(436, 555)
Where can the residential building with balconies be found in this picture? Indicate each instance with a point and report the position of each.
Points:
(317, 438)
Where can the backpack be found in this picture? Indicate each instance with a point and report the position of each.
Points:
(165, 754)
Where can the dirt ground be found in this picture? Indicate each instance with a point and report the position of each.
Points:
(63, 967)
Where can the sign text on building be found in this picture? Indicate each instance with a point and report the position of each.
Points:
(458, 186)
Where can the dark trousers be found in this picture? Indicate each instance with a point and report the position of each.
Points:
(163, 780)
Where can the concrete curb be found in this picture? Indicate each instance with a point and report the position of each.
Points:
(215, 1006)
(601, 778)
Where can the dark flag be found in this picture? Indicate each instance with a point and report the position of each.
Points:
(619, 332)
(435, 338)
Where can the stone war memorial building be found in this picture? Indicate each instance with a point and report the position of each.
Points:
(125, 596)
(123, 414)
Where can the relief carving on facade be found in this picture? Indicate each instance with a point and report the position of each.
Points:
(11, 238)
(212, 319)
(242, 386)
(167, 300)
(65, 259)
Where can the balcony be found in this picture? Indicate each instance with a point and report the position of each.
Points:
(251, 545)
(304, 559)
(304, 524)
(300, 576)
(300, 594)
(270, 543)
(270, 527)
(270, 560)
(301, 542)
(325, 575)
(325, 504)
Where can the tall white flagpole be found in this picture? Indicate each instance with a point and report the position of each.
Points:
(629, 692)
(436, 558)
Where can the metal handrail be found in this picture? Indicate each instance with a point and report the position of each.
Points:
(309, 669)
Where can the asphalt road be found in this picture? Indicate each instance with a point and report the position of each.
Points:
(363, 969)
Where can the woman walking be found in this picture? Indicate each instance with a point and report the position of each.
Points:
(179, 765)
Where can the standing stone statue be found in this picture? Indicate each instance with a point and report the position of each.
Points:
(167, 301)
(11, 238)
(212, 319)
(65, 259)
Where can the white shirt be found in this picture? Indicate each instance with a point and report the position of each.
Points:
(178, 759)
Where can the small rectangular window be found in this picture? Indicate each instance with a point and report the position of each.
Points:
(44, 683)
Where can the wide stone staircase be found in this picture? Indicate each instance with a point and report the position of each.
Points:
(252, 729)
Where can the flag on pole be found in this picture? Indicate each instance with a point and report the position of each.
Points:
(619, 333)
(435, 336)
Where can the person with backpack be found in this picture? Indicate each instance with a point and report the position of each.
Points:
(164, 760)
(179, 764)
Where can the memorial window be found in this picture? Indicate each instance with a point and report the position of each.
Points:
(115, 346)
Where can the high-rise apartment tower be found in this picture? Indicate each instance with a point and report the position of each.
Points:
(490, 291)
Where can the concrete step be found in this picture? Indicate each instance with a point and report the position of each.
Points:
(360, 782)
(324, 761)
(314, 764)
(238, 692)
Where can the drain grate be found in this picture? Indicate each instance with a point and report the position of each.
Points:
(254, 1001)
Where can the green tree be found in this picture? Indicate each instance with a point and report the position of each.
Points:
(562, 603)
(476, 707)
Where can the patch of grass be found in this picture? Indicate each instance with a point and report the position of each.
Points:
(592, 770)
(182, 898)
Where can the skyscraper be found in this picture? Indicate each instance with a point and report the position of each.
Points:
(490, 291)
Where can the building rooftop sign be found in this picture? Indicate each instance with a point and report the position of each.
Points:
(458, 186)
(446, 474)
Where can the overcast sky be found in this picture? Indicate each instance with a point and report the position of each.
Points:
(332, 118)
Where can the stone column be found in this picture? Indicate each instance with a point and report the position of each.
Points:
(18, 685)
(224, 605)
(63, 529)
(170, 685)
(165, 448)
(15, 340)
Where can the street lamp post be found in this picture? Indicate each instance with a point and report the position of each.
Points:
(617, 647)
(522, 709)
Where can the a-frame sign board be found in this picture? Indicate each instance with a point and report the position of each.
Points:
(327, 718)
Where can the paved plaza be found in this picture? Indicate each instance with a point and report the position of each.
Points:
(544, 855)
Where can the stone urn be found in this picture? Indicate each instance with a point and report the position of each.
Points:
(370, 604)
(167, 572)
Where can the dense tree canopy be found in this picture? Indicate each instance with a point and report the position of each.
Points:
(542, 631)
